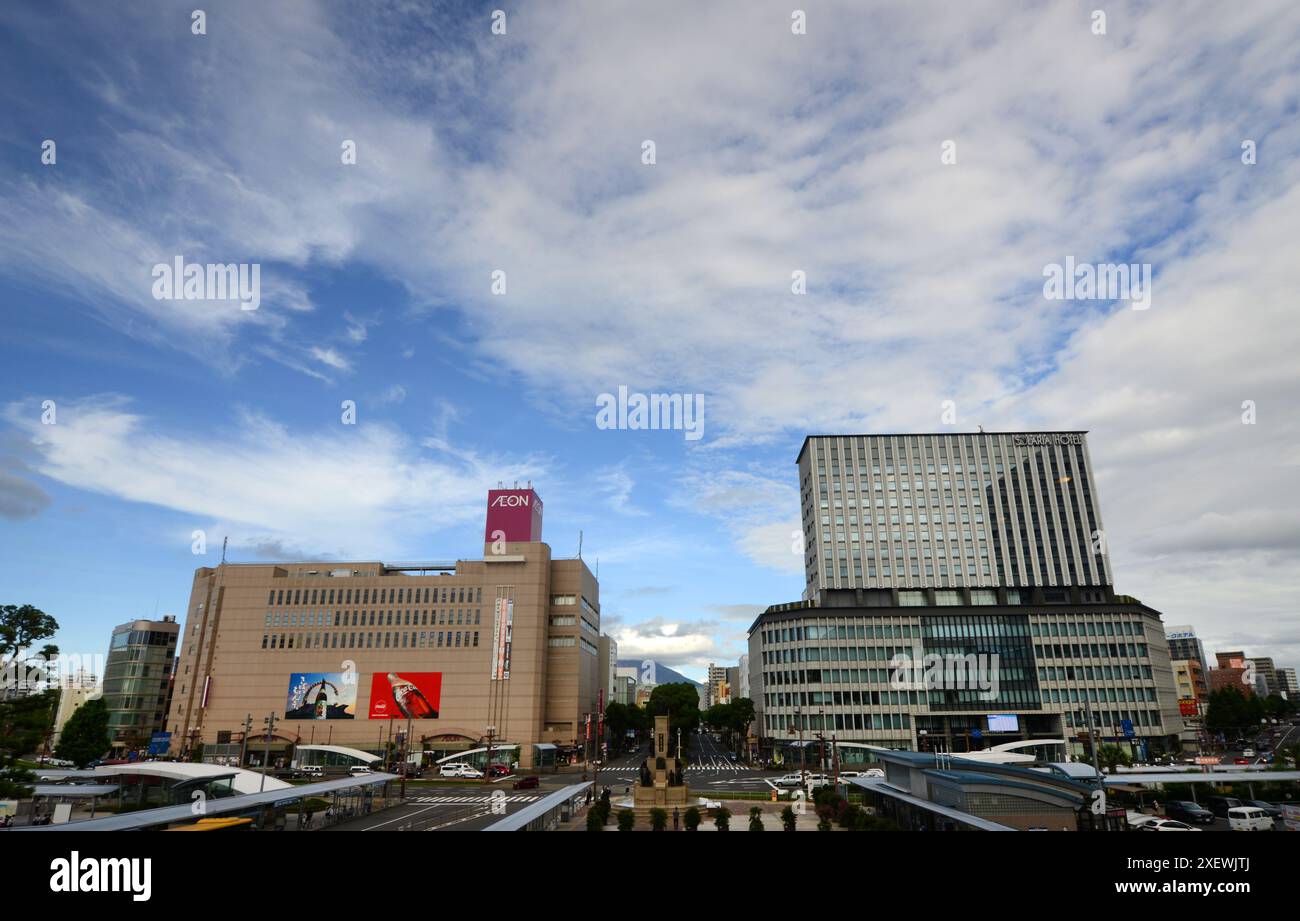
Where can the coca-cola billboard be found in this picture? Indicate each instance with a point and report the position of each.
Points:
(405, 695)
(513, 515)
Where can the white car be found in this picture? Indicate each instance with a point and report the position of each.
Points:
(1249, 818)
(789, 780)
(1138, 819)
(358, 770)
(313, 770)
(873, 772)
(1248, 753)
(1157, 824)
(460, 770)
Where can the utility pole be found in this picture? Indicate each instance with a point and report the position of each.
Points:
(1092, 740)
(269, 722)
(491, 731)
(243, 742)
(803, 774)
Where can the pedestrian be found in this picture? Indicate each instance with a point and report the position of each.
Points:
(677, 818)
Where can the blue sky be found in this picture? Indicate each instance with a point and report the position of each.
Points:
(522, 153)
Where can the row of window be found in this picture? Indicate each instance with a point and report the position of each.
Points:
(1090, 650)
(886, 675)
(413, 639)
(357, 618)
(448, 594)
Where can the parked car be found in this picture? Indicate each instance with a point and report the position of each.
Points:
(360, 770)
(452, 769)
(1249, 818)
(1166, 825)
(1220, 805)
(1274, 812)
(850, 773)
(1248, 753)
(499, 770)
(313, 770)
(874, 772)
(1138, 819)
(527, 783)
(789, 780)
(1189, 812)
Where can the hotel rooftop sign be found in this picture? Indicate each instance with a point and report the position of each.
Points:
(1055, 438)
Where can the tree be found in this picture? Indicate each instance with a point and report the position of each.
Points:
(681, 702)
(756, 819)
(658, 818)
(742, 715)
(85, 737)
(25, 721)
(722, 818)
(788, 818)
(1111, 757)
(594, 821)
(25, 724)
(626, 819)
(691, 818)
(1231, 712)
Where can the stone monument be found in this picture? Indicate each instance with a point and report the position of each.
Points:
(660, 783)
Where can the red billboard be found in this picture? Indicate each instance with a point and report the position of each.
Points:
(1187, 706)
(405, 695)
(513, 515)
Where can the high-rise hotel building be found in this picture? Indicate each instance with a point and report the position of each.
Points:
(345, 653)
(983, 547)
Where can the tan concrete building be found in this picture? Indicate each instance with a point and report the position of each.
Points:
(344, 653)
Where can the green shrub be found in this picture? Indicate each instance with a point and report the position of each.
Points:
(755, 822)
(626, 820)
(722, 818)
(658, 819)
(788, 818)
(594, 821)
(691, 818)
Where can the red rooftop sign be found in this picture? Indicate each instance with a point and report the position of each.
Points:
(515, 513)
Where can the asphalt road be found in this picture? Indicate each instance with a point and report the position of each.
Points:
(462, 808)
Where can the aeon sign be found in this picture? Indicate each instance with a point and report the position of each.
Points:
(513, 515)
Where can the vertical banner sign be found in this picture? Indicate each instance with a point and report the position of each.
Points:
(497, 648)
(502, 629)
(588, 727)
(509, 633)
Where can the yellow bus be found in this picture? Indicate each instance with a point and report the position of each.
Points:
(219, 824)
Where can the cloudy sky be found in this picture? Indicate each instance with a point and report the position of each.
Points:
(920, 164)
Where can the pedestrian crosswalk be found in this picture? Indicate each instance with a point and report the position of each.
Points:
(473, 800)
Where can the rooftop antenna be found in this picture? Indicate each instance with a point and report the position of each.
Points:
(579, 544)
(225, 540)
(981, 428)
(516, 484)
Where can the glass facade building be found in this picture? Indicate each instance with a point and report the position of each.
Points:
(138, 680)
(958, 595)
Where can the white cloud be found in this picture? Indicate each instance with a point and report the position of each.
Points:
(355, 490)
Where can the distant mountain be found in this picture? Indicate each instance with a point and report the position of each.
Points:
(663, 674)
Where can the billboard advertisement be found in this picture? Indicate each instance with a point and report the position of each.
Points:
(322, 696)
(503, 621)
(1187, 706)
(405, 695)
(513, 515)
